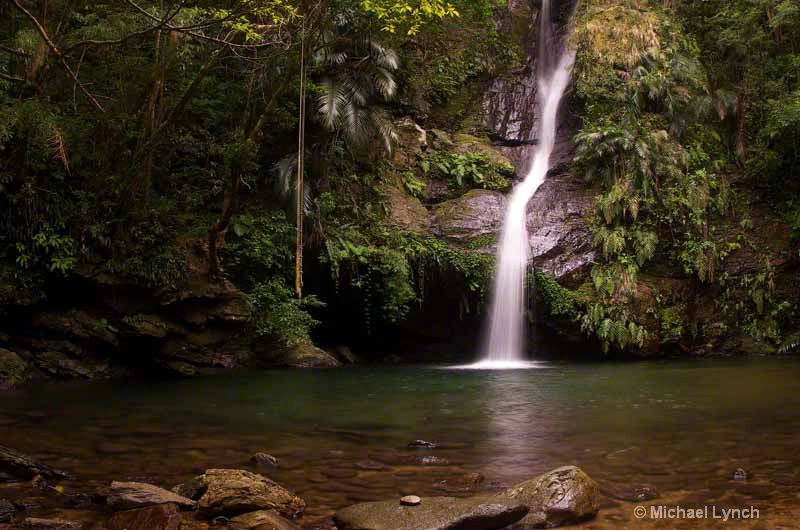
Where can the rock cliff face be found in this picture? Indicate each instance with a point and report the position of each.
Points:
(560, 242)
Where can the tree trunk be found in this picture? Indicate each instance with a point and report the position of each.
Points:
(216, 235)
(741, 125)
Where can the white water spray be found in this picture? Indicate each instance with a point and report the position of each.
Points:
(506, 328)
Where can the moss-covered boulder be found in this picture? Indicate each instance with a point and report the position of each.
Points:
(231, 492)
(563, 496)
(407, 212)
(13, 369)
(307, 356)
(476, 213)
(469, 144)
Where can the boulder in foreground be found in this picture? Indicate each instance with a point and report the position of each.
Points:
(433, 513)
(563, 496)
(231, 492)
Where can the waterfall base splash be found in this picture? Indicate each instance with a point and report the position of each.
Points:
(501, 365)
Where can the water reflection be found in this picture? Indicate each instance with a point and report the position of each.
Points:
(681, 427)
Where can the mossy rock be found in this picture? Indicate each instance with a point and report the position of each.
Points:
(13, 369)
(476, 214)
(307, 356)
(467, 143)
(407, 212)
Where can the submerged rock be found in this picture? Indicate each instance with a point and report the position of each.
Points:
(235, 491)
(427, 460)
(467, 482)
(7, 511)
(33, 523)
(421, 444)
(261, 520)
(159, 517)
(563, 496)
(129, 495)
(631, 493)
(264, 460)
(433, 513)
(17, 465)
(371, 465)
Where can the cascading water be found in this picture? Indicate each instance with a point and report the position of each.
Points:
(506, 326)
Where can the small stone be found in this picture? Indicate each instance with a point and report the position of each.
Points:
(421, 444)
(646, 493)
(265, 460)
(740, 474)
(410, 500)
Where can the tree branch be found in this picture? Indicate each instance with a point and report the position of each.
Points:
(54, 49)
(183, 30)
(13, 51)
(11, 78)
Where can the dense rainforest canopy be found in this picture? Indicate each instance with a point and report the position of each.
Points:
(136, 134)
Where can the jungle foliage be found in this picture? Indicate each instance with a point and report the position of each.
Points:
(133, 131)
(679, 100)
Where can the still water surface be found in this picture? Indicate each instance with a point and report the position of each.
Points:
(682, 428)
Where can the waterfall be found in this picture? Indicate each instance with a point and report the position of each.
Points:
(505, 340)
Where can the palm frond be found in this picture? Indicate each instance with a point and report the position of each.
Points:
(285, 170)
(332, 102)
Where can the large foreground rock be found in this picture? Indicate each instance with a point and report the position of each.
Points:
(563, 496)
(433, 513)
(17, 465)
(129, 495)
(232, 492)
